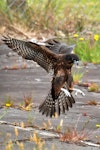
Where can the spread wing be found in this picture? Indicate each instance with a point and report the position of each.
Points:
(50, 58)
(59, 47)
(32, 51)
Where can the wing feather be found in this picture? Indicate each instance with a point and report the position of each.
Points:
(59, 47)
(32, 51)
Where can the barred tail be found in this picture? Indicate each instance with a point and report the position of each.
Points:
(51, 107)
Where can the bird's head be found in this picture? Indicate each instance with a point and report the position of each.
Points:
(70, 59)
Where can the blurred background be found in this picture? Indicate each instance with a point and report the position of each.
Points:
(77, 21)
(51, 15)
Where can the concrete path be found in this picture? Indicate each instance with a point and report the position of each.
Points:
(19, 128)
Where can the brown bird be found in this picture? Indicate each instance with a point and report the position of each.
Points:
(50, 57)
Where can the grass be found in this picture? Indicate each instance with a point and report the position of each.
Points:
(27, 105)
(94, 87)
(38, 141)
(73, 136)
(9, 102)
(4, 114)
(88, 48)
(68, 135)
(55, 15)
(76, 20)
(93, 102)
(77, 75)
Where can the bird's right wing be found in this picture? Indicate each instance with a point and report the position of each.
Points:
(32, 51)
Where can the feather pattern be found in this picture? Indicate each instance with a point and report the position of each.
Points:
(54, 56)
(52, 107)
(59, 47)
(32, 51)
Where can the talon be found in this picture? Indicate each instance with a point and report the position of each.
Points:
(66, 92)
(78, 91)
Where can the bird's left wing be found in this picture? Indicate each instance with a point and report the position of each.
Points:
(59, 47)
(32, 51)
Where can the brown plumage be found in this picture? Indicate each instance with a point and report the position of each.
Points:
(57, 100)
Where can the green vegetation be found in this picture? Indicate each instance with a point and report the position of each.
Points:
(77, 76)
(76, 20)
(88, 48)
(54, 14)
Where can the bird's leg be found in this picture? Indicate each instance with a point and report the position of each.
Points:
(78, 91)
(66, 92)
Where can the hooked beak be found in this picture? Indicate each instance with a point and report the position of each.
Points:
(76, 62)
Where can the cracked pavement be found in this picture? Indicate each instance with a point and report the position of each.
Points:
(19, 78)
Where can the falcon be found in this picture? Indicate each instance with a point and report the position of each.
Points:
(55, 56)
